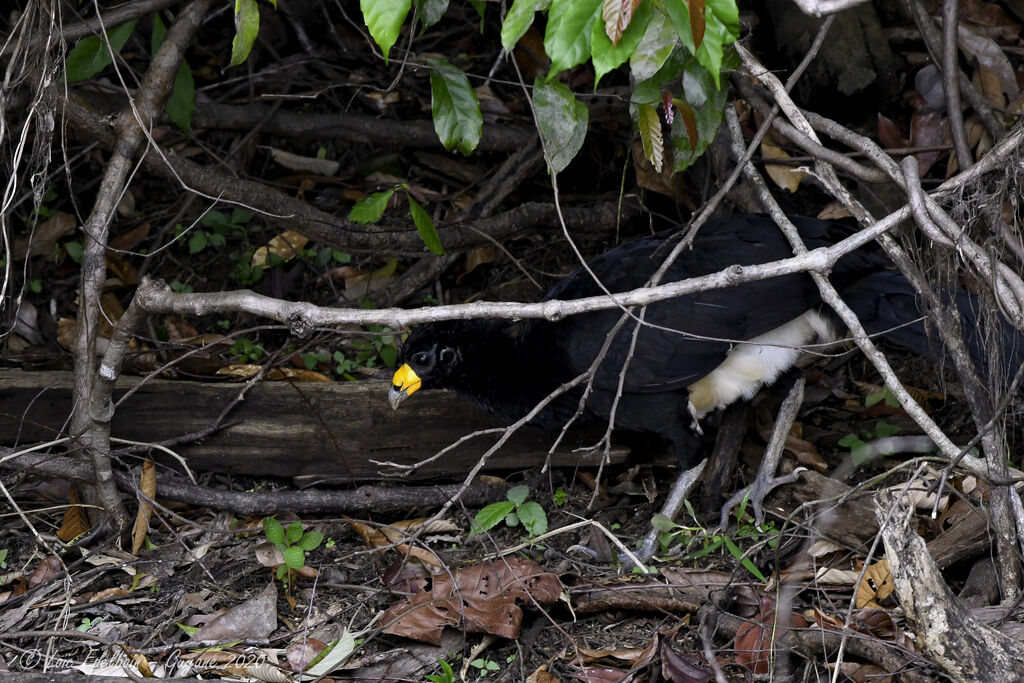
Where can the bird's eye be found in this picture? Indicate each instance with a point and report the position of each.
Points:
(421, 358)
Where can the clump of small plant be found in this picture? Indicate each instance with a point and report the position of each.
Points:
(698, 541)
(293, 543)
(861, 451)
(514, 510)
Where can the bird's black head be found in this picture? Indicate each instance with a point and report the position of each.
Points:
(432, 357)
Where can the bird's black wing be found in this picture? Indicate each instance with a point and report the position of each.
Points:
(710, 322)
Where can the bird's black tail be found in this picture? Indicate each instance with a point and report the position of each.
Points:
(887, 305)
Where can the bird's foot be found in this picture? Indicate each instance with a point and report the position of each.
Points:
(755, 494)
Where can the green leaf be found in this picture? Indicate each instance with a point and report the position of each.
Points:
(534, 520)
(560, 497)
(518, 21)
(707, 103)
(425, 226)
(429, 12)
(649, 124)
(721, 19)
(851, 441)
(567, 38)
(654, 47)
(294, 558)
(389, 354)
(91, 55)
(607, 56)
(74, 250)
(512, 519)
(713, 544)
(518, 494)
(562, 121)
(884, 429)
(196, 242)
(247, 27)
(370, 210)
(727, 12)
(294, 532)
(182, 102)
(493, 514)
(480, 6)
(310, 540)
(455, 108)
(273, 530)
(384, 20)
(875, 397)
(663, 524)
(862, 454)
(159, 31)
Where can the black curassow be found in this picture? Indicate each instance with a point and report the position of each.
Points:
(698, 353)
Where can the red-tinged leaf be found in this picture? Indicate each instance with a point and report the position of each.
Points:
(611, 14)
(679, 668)
(689, 120)
(666, 104)
(697, 25)
(926, 130)
(889, 135)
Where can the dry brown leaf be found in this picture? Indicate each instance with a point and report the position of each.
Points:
(121, 269)
(989, 56)
(75, 522)
(680, 668)
(296, 375)
(247, 370)
(664, 182)
(834, 211)
(48, 569)
(108, 593)
(476, 258)
(255, 618)
(927, 130)
(481, 598)
(286, 246)
(920, 395)
(876, 585)
(755, 641)
(302, 652)
(785, 176)
(147, 485)
(129, 240)
(126, 204)
(889, 134)
(45, 236)
(240, 370)
(541, 675)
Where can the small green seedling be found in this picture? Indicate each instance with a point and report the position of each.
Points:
(485, 666)
(293, 543)
(247, 352)
(699, 541)
(514, 510)
(560, 497)
(87, 624)
(447, 674)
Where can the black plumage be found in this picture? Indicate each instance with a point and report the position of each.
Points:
(692, 359)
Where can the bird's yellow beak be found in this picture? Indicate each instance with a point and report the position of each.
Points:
(403, 385)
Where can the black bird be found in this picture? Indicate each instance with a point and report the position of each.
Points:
(700, 352)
